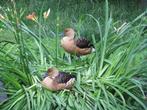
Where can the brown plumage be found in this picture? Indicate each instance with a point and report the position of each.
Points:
(79, 47)
(83, 43)
(57, 80)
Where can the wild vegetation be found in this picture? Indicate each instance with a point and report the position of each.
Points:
(114, 77)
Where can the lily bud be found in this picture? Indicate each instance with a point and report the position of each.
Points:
(46, 14)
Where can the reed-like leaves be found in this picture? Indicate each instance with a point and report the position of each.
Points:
(112, 78)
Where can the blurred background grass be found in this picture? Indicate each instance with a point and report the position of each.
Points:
(122, 11)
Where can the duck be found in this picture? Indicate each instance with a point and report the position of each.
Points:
(55, 80)
(79, 47)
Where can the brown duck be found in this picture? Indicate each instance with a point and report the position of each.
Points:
(78, 47)
(56, 80)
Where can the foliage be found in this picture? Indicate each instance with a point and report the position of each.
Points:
(112, 78)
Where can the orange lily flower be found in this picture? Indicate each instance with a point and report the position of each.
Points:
(31, 16)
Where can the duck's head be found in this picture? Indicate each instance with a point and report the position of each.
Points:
(69, 32)
(52, 72)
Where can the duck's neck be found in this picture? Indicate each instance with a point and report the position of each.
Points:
(67, 38)
(72, 36)
(54, 75)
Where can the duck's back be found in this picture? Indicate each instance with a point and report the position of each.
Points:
(83, 43)
(64, 77)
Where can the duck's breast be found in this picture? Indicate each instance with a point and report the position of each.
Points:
(68, 44)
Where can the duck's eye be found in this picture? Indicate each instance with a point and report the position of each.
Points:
(66, 30)
(50, 70)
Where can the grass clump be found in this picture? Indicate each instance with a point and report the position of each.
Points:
(112, 78)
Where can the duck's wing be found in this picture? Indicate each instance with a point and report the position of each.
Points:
(63, 77)
(83, 43)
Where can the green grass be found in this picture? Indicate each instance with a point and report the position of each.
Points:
(112, 78)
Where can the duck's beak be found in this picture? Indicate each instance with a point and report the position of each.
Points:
(61, 34)
(45, 75)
